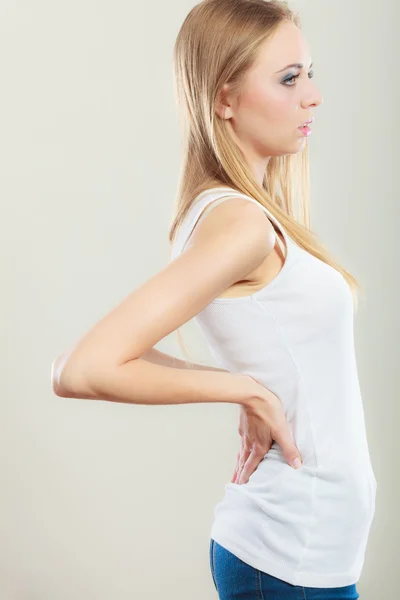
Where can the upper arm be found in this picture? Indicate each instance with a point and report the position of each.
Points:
(226, 245)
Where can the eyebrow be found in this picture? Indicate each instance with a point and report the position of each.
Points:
(295, 65)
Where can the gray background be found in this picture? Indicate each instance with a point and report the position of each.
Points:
(101, 500)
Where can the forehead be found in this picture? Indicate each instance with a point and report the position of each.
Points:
(287, 45)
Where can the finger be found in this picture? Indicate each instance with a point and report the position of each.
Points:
(244, 455)
(234, 474)
(236, 467)
(251, 465)
(290, 451)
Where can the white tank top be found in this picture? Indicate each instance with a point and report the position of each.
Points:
(310, 526)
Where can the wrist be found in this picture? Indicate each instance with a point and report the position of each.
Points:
(248, 390)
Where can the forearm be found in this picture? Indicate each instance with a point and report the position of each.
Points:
(142, 382)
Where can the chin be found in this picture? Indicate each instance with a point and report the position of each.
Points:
(300, 145)
(294, 150)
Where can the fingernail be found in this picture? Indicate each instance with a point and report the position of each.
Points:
(297, 463)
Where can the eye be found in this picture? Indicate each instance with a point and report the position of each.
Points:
(293, 77)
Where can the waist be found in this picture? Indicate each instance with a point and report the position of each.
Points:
(332, 489)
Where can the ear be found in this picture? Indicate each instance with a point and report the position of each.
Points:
(223, 106)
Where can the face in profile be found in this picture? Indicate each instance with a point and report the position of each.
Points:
(275, 98)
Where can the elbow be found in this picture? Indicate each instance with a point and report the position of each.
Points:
(68, 380)
(59, 378)
(55, 377)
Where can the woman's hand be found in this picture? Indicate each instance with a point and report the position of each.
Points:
(262, 420)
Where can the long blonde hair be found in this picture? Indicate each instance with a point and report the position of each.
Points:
(216, 44)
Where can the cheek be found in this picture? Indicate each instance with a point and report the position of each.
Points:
(272, 105)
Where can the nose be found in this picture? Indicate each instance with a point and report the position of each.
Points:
(313, 98)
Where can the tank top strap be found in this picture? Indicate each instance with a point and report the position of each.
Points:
(203, 204)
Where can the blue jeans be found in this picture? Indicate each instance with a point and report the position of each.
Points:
(236, 580)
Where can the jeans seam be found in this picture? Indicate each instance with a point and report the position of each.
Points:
(304, 593)
(212, 563)
(259, 592)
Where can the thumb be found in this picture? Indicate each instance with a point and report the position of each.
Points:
(290, 451)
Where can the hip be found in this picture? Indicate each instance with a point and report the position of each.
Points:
(234, 579)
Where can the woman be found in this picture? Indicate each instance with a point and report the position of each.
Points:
(275, 308)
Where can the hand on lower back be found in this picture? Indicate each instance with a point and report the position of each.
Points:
(262, 420)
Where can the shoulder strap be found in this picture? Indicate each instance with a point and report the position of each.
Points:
(201, 206)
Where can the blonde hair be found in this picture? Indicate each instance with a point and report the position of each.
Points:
(216, 44)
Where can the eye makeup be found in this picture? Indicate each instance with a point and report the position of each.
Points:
(292, 77)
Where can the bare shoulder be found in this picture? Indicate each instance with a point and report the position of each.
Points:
(237, 219)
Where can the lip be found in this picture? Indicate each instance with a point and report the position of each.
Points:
(306, 123)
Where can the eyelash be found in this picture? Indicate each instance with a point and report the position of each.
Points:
(310, 75)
